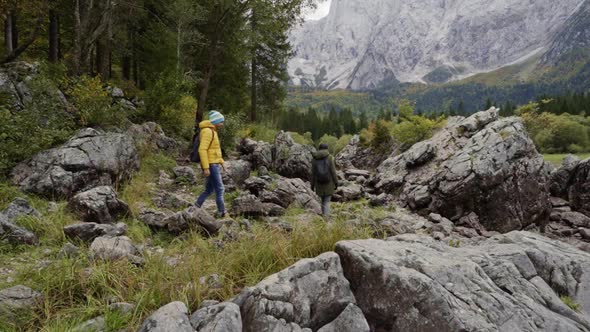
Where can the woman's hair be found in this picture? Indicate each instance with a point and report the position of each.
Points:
(323, 146)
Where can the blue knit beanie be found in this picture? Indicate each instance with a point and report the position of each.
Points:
(216, 117)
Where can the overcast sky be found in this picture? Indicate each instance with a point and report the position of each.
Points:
(320, 12)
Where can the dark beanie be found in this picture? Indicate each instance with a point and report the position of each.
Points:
(323, 146)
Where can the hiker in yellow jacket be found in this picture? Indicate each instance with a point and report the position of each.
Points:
(212, 161)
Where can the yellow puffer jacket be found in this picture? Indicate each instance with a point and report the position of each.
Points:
(209, 148)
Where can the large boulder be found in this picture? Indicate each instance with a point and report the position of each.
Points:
(89, 231)
(176, 223)
(100, 205)
(151, 135)
(89, 159)
(236, 173)
(482, 165)
(115, 248)
(285, 191)
(579, 188)
(510, 282)
(308, 295)
(171, 317)
(291, 159)
(13, 233)
(561, 178)
(248, 206)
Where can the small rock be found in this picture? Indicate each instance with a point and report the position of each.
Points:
(100, 205)
(68, 251)
(211, 281)
(168, 200)
(97, 324)
(351, 319)
(122, 307)
(114, 248)
(52, 207)
(164, 179)
(185, 174)
(262, 171)
(585, 233)
(17, 298)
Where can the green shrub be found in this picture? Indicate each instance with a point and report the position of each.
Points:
(304, 139)
(169, 103)
(414, 130)
(230, 133)
(94, 103)
(41, 125)
(382, 139)
(259, 132)
(570, 303)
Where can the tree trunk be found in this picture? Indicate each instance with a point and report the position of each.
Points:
(21, 48)
(254, 97)
(207, 74)
(77, 38)
(8, 34)
(53, 36)
(14, 31)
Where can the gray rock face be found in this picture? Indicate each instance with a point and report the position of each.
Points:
(579, 190)
(509, 282)
(354, 155)
(257, 153)
(16, 299)
(89, 159)
(561, 178)
(114, 248)
(362, 45)
(222, 317)
(350, 320)
(151, 135)
(100, 205)
(90, 231)
(237, 171)
(15, 83)
(171, 317)
(482, 164)
(291, 159)
(309, 294)
(12, 233)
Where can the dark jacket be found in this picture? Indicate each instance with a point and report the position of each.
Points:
(323, 189)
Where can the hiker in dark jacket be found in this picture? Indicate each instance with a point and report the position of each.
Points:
(323, 177)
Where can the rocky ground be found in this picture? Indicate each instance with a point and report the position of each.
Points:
(468, 231)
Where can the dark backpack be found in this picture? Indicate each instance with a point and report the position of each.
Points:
(194, 157)
(323, 171)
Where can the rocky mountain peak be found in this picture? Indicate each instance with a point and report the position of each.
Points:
(363, 45)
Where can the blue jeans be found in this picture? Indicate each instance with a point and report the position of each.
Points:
(214, 184)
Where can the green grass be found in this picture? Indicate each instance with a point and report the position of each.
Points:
(78, 289)
(555, 159)
(570, 303)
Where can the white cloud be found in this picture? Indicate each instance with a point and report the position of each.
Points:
(321, 11)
